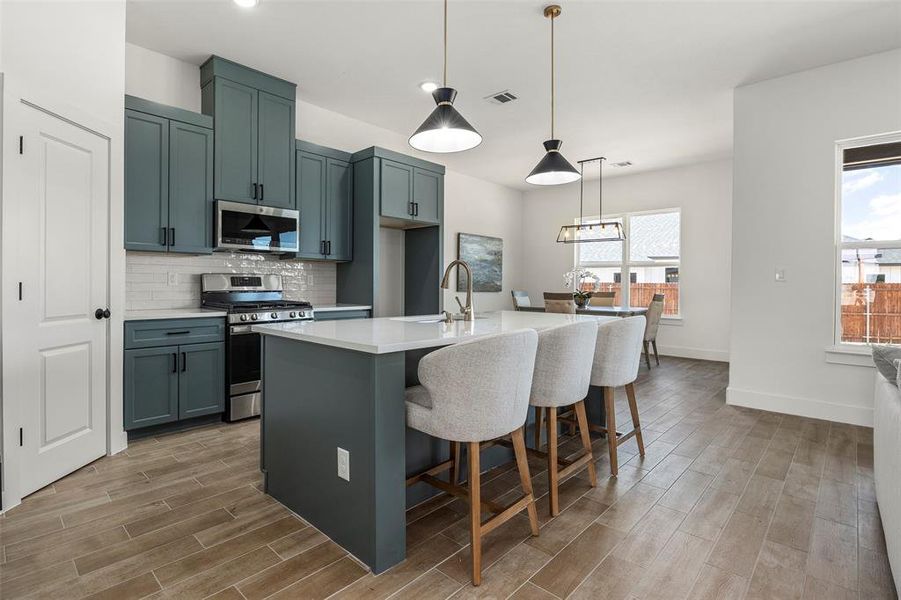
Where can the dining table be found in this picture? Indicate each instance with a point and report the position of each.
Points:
(598, 311)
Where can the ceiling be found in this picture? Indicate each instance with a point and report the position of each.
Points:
(648, 82)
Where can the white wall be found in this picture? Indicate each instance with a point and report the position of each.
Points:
(69, 58)
(703, 193)
(470, 205)
(784, 215)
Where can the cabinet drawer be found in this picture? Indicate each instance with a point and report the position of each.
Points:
(165, 332)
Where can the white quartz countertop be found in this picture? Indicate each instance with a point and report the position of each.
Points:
(172, 313)
(339, 307)
(396, 334)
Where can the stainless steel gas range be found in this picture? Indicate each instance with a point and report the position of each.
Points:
(248, 299)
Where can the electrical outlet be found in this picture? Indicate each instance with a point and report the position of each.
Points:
(173, 279)
(343, 464)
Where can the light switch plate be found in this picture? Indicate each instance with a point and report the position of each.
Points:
(343, 464)
(172, 279)
(781, 276)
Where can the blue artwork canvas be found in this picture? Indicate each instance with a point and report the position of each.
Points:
(485, 255)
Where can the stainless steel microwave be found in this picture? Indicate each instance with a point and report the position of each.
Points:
(256, 228)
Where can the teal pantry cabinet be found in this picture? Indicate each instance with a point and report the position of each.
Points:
(410, 193)
(174, 370)
(168, 178)
(254, 133)
(325, 202)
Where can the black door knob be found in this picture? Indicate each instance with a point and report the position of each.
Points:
(102, 313)
(106, 313)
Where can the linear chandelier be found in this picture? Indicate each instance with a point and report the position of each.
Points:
(580, 233)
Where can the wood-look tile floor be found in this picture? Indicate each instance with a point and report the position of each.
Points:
(727, 503)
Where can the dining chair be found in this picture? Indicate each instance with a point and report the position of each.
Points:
(521, 299)
(471, 393)
(655, 312)
(602, 298)
(559, 302)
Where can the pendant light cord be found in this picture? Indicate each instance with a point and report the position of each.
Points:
(445, 43)
(581, 190)
(601, 190)
(553, 80)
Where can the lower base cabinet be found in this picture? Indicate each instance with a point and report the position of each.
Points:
(173, 382)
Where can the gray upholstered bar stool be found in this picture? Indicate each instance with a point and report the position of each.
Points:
(474, 392)
(562, 374)
(617, 355)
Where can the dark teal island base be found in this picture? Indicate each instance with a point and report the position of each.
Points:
(318, 398)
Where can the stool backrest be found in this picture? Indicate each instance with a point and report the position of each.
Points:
(617, 353)
(559, 302)
(480, 388)
(563, 364)
(655, 311)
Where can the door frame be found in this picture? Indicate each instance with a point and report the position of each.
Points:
(16, 100)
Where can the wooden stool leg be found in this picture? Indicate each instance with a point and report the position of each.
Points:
(647, 357)
(633, 408)
(610, 409)
(552, 460)
(522, 463)
(475, 513)
(586, 440)
(539, 413)
(455, 456)
(656, 356)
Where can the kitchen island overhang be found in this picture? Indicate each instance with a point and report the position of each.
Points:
(340, 384)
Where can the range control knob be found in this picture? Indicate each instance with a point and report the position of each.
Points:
(243, 317)
(274, 315)
(293, 314)
(253, 317)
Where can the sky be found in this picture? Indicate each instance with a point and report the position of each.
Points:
(871, 203)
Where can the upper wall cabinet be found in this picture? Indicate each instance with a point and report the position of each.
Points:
(325, 202)
(168, 178)
(254, 124)
(411, 191)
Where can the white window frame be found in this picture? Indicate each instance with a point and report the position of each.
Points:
(839, 347)
(626, 263)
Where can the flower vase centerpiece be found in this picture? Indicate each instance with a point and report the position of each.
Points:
(583, 282)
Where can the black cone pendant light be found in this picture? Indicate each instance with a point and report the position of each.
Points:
(553, 169)
(445, 130)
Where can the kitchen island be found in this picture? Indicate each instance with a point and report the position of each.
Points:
(334, 385)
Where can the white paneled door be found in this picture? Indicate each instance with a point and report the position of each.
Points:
(62, 204)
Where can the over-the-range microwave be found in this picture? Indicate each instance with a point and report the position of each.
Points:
(256, 228)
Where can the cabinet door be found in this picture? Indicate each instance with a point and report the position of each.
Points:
(236, 110)
(190, 188)
(396, 190)
(428, 188)
(339, 211)
(311, 186)
(151, 386)
(276, 158)
(201, 380)
(146, 181)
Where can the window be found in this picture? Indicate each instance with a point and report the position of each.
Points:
(648, 259)
(869, 244)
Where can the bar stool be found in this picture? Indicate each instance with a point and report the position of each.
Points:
(473, 392)
(617, 355)
(562, 374)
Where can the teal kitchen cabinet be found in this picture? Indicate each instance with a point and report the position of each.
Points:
(410, 193)
(201, 380)
(174, 369)
(151, 386)
(254, 126)
(168, 179)
(325, 201)
(428, 195)
(396, 190)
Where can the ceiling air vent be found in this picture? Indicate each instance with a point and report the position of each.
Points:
(621, 164)
(501, 97)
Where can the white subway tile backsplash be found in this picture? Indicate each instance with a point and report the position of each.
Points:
(147, 277)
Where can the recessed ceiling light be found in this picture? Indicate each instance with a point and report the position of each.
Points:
(428, 86)
(247, 3)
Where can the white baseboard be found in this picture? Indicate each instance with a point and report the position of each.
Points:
(698, 353)
(802, 407)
